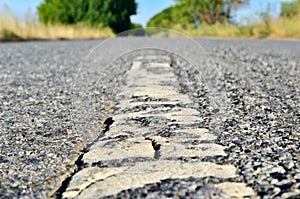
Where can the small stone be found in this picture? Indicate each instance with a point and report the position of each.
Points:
(274, 181)
(288, 164)
(285, 184)
(276, 191)
(291, 195)
(297, 176)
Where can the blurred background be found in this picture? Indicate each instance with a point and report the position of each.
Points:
(94, 19)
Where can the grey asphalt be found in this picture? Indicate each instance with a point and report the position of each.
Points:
(55, 96)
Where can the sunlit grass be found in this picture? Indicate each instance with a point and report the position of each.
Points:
(271, 28)
(217, 30)
(11, 30)
(287, 28)
(14, 29)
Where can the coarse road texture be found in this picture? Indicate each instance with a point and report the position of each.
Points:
(135, 119)
(151, 90)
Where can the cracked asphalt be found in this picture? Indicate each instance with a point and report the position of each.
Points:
(55, 97)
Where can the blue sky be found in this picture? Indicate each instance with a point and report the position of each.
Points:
(148, 8)
(250, 13)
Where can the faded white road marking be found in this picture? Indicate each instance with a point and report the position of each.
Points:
(150, 102)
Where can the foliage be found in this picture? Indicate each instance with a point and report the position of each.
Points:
(290, 9)
(209, 11)
(170, 17)
(135, 25)
(112, 13)
(266, 21)
(13, 28)
(187, 13)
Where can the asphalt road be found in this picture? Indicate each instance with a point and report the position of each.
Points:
(55, 97)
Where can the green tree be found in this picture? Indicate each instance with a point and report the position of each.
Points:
(112, 13)
(290, 9)
(170, 17)
(209, 11)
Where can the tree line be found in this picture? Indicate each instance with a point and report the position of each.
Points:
(108, 13)
(197, 12)
(116, 13)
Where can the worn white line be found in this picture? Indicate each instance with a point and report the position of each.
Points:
(134, 134)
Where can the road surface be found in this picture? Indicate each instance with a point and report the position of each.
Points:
(150, 117)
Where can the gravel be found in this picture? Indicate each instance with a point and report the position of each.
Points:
(54, 99)
(42, 128)
(262, 129)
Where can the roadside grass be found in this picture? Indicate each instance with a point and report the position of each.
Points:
(16, 30)
(284, 27)
(13, 28)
